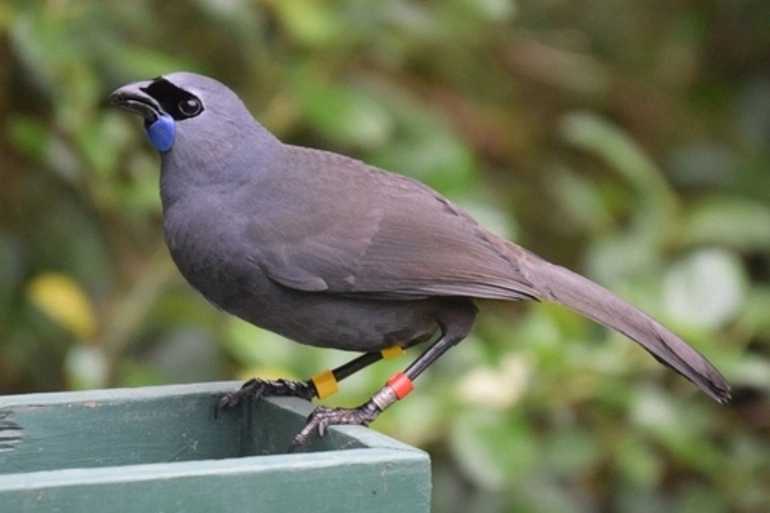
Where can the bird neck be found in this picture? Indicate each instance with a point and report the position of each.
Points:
(214, 164)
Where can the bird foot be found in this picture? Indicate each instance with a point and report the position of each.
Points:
(257, 388)
(323, 417)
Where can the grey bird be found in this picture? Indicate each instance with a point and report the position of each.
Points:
(331, 252)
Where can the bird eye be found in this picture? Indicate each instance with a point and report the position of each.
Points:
(190, 107)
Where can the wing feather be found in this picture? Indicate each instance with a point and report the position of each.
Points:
(391, 238)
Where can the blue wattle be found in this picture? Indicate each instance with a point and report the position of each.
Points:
(161, 132)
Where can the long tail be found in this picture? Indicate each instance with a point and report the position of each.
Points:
(595, 302)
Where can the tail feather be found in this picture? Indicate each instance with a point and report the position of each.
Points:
(595, 302)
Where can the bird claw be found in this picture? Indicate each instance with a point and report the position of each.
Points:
(317, 422)
(322, 417)
(257, 388)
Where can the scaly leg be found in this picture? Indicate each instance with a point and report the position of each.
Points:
(321, 385)
(396, 388)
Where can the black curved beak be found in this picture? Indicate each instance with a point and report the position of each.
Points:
(133, 98)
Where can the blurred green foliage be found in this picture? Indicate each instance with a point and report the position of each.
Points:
(628, 140)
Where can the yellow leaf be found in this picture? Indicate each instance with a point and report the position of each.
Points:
(63, 300)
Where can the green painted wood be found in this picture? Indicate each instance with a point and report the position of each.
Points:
(160, 449)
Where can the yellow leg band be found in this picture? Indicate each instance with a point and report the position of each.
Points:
(392, 352)
(325, 384)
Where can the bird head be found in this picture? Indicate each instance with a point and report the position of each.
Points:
(201, 109)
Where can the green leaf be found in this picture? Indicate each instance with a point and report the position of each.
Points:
(590, 132)
(252, 346)
(343, 113)
(185, 355)
(571, 451)
(492, 450)
(86, 367)
(433, 156)
(706, 289)
(29, 136)
(702, 498)
(728, 220)
(312, 23)
(751, 371)
(639, 462)
(678, 427)
(754, 316)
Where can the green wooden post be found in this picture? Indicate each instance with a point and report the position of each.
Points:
(159, 449)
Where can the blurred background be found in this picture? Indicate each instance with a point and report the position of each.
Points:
(628, 140)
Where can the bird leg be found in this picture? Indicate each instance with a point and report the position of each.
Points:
(323, 417)
(321, 385)
(396, 388)
(258, 388)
